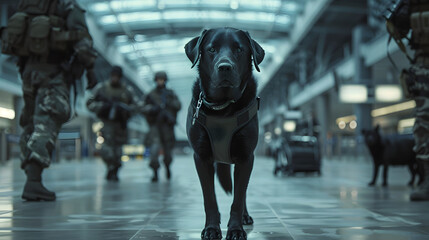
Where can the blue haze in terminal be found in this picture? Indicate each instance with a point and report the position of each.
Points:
(328, 80)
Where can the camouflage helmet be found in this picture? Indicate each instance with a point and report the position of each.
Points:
(117, 70)
(161, 74)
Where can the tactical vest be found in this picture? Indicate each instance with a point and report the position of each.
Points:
(221, 130)
(118, 94)
(35, 30)
(419, 19)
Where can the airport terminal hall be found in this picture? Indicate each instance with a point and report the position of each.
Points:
(214, 119)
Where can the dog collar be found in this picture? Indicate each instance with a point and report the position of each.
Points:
(217, 106)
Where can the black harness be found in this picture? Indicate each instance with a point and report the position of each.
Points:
(220, 129)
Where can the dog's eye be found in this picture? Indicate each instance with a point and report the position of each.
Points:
(212, 50)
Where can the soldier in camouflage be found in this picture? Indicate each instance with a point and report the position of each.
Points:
(114, 103)
(160, 109)
(414, 15)
(48, 69)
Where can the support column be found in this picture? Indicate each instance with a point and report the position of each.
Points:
(362, 76)
(322, 117)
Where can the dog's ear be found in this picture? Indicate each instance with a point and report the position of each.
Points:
(258, 53)
(192, 48)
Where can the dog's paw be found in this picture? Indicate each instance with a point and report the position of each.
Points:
(236, 234)
(211, 233)
(247, 220)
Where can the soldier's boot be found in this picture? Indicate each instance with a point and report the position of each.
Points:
(155, 175)
(34, 189)
(422, 192)
(168, 172)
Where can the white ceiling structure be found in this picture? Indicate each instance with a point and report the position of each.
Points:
(145, 36)
(151, 34)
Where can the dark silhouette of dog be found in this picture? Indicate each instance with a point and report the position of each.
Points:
(222, 123)
(394, 150)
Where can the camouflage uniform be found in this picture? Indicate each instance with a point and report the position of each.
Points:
(46, 88)
(160, 108)
(114, 130)
(413, 15)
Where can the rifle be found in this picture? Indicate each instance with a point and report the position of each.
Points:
(163, 114)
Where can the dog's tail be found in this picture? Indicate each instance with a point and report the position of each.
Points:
(224, 174)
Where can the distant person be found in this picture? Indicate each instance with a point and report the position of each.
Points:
(414, 15)
(160, 109)
(54, 48)
(114, 103)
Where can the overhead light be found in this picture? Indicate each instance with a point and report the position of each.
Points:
(7, 113)
(278, 131)
(406, 123)
(99, 7)
(393, 108)
(353, 93)
(234, 4)
(342, 125)
(283, 19)
(100, 140)
(290, 7)
(346, 119)
(268, 137)
(108, 19)
(388, 93)
(289, 126)
(139, 17)
(353, 124)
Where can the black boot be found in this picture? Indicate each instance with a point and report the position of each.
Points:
(155, 175)
(167, 172)
(112, 174)
(34, 189)
(422, 192)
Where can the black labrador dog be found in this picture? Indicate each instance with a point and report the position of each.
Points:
(222, 124)
(392, 150)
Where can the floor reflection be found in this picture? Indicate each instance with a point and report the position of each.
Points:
(337, 205)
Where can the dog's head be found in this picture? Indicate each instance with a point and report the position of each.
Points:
(225, 56)
(372, 137)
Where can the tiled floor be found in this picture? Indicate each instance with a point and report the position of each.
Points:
(337, 205)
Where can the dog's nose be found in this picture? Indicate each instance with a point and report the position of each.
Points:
(225, 67)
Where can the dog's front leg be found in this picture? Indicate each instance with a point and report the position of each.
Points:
(242, 173)
(375, 174)
(413, 173)
(205, 170)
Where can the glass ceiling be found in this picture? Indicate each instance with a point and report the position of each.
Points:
(151, 34)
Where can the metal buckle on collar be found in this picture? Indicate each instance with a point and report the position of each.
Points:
(197, 111)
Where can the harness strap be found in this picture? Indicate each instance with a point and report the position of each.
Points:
(221, 129)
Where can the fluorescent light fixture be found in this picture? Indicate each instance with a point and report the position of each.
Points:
(108, 19)
(353, 93)
(278, 131)
(406, 123)
(139, 17)
(393, 108)
(346, 119)
(7, 113)
(99, 7)
(289, 126)
(131, 4)
(234, 4)
(121, 39)
(283, 19)
(388, 93)
(290, 7)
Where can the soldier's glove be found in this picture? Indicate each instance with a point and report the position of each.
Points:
(92, 80)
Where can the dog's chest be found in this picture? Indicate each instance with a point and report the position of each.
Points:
(221, 130)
